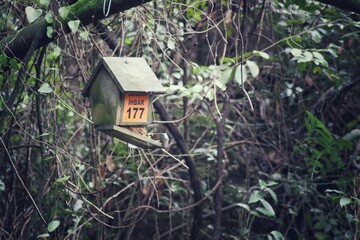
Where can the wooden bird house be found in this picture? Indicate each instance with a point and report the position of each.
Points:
(121, 92)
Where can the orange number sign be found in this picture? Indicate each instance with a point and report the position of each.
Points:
(135, 108)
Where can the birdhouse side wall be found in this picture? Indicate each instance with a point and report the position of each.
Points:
(105, 100)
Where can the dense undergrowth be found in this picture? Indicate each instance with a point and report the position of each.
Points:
(262, 97)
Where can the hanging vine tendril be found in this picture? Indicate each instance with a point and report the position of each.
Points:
(106, 12)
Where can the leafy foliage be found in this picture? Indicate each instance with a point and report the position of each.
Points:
(264, 95)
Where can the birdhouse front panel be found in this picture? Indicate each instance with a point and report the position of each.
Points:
(137, 109)
(105, 100)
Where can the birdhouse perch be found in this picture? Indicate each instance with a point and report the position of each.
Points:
(121, 92)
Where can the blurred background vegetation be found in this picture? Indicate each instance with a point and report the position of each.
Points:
(261, 109)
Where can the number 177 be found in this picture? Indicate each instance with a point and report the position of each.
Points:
(135, 112)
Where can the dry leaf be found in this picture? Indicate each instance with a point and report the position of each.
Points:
(110, 163)
(309, 81)
(275, 157)
(159, 192)
(147, 189)
(101, 170)
(159, 183)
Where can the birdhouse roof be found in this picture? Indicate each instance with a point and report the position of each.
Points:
(130, 75)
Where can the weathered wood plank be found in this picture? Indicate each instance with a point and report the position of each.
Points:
(128, 136)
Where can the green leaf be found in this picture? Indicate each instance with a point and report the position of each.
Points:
(269, 210)
(261, 54)
(44, 235)
(350, 125)
(128, 41)
(292, 212)
(332, 52)
(220, 84)
(354, 134)
(320, 235)
(44, 134)
(271, 183)
(226, 75)
(263, 211)
(45, 88)
(308, 56)
(244, 206)
(272, 193)
(255, 213)
(226, 60)
(74, 25)
(315, 35)
(344, 201)
(49, 17)
(197, 88)
(2, 185)
(210, 94)
(84, 35)
(253, 67)
(32, 14)
(63, 12)
(296, 52)
(171, 44)
(52, 226)
(319, 58)
(3, 60)
(56, 52)
(277, 235)
(262, 184)
(318, 55)
(14, 64)
(78, 205)
(44, 3)
(349, 217)
(49, 31)
(255, 196)
(240, 74)
(63, 179)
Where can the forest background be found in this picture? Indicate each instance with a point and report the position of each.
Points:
(261, 109)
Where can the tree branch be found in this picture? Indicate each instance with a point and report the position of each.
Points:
(194, 179)
(86, 11)
(220, 140)
(349, 5)
(6, 113)
(22, 182)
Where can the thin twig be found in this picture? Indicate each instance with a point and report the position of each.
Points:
(22, 182)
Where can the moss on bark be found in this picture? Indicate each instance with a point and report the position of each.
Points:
(86, 11)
